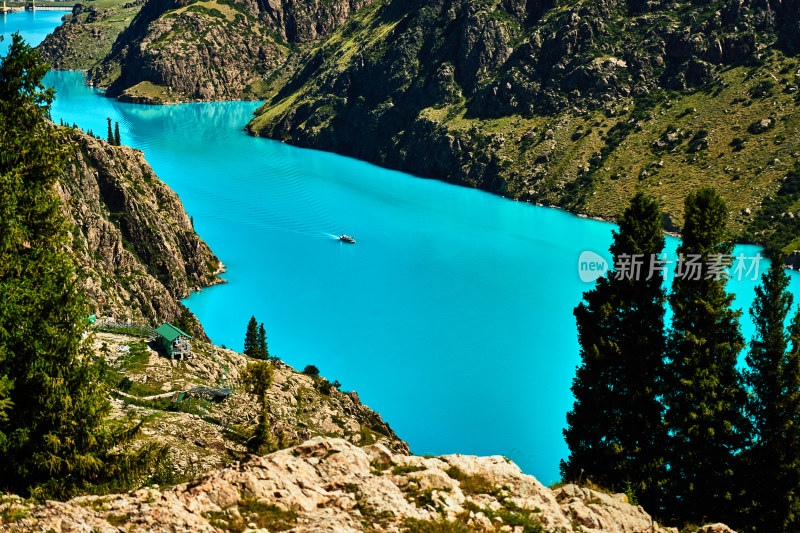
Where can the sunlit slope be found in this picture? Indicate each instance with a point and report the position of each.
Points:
(575, 104)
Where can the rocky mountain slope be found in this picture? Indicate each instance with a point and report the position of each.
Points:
(87, 34)
(132, 240)
(184, 50)
(570, 103)
(573, 103)
(205, 433)
(331, 485)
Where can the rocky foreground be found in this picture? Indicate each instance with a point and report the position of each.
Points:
(330, 484)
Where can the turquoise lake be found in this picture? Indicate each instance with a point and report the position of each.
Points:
(451, 316)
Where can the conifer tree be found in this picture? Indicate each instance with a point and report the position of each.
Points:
(117, 139)
(261, 342)
(54, 438)
(704, 395)
(257, 379)
(110, 134)
(774, 407)
(251, 338)
(614, 431)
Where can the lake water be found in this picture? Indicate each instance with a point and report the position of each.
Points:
(451, 316)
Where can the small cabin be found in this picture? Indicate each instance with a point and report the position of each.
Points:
(176, 342)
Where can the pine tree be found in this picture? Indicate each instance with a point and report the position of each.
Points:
(614, 431)
(257, 379)
(251, 338)
(774, 407)
(117, 140)
(261, 343)
(703, 396)
(54, 438)
(110, 134)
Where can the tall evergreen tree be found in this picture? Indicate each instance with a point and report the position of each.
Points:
(614, 431)
(774, 407)
(54, 435)
(704, 395)
(258, 379)
(261, 343)
(251, 338)
(110, 134)
(117, 139)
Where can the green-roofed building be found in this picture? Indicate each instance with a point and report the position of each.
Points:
(176, 342)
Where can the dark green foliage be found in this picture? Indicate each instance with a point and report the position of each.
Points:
(737, 144)
(614, 431)
(125, 384)
(326, 387)
(257, 379)
(54, 439)
(261, 351)
(770, 226)
(703, 391)
(188, 322)
(311, 370)
(255, 340)
(251, 337)
(117, 140)
(774, 407)
(110, 134)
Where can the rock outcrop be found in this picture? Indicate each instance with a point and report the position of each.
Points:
(184, 50)
(133, 243)
(331, 485)
(87, 34)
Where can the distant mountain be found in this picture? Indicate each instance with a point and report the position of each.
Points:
(570, 103)
(576, 104)
(86, 35)
(184, 50)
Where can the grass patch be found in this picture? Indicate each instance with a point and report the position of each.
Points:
(264, 516)
(472, 483)
(406, 469)
(413, 525)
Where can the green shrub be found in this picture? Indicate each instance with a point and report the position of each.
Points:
(311, 370)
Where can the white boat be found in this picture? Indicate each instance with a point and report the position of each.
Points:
(347, 239)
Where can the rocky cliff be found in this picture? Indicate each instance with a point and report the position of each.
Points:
(184, 50)
(134, 244)
(331, 485)
(569, 103)
(87, 33)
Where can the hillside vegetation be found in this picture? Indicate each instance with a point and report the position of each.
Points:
(186, 50)
(572, 103)
(88, 32)
(576, 104)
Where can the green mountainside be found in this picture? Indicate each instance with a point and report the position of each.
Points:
(576, 104)
(185, 50)
(570, 103)
(88, 32)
